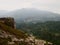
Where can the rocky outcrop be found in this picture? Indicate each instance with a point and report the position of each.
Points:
(8, 34)
(11, 36)
(9, 21)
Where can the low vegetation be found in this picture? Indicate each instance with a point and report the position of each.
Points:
(17, 33)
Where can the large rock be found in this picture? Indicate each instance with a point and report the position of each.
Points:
(8, 21)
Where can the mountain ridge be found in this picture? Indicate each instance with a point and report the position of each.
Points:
(29, 15)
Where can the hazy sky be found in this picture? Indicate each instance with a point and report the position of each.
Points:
(48, 5)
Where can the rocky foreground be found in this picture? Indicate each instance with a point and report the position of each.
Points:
(9, 35)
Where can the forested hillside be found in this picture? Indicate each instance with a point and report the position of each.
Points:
(49, 30)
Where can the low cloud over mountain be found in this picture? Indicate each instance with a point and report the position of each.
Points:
(31, 15)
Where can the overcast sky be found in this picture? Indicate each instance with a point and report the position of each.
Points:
(48, 5)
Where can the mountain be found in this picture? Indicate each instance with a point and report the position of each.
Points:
(49, 31)
(29, 15)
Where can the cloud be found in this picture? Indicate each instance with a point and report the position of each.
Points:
(13, 4)
(49, 5)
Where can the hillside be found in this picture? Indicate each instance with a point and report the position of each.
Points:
(15, 32)
(9, 35)
(49, 30)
